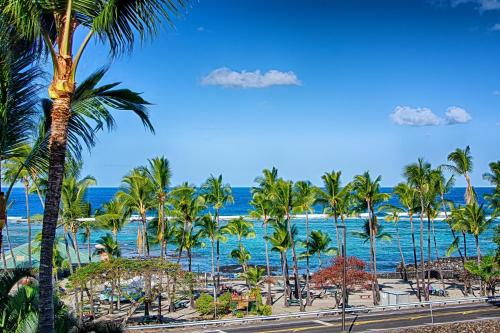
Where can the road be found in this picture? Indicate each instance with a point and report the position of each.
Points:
(368, 322)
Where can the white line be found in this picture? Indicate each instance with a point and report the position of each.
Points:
(322, 323)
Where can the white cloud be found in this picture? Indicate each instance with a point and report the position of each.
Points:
(406, 115)
(200, 29)
(228, 78)
(457, 115)
(495, 27)
(496, 92)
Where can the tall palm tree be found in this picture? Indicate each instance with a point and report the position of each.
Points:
(494, 178)
(160, 175)
(461, 164)
(393, 217)
(187, 206)
(330, 196)
(137, 194)
(407, 196)
(240, 228)
(15, 169)
(217, 195)
(319, 243)
(368, 195)
(281, 243)
(54, 24)
(207, 227)
(305, 198)
(284, 201)
(74, 205)
(262, 211)
(417, 175)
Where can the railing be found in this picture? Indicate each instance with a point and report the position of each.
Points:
(312, 314)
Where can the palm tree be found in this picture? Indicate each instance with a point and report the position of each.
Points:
(262, 210)
(18, 103)
(114, 216)
(207, 227)
(368, 195)
(160, 174)
(240, 228)
(137, 195)
(281, 243)
(242, 256)
(329, 197)
(417, 175)
(494, 178)
(408, 199)
(393, 217)
(88, 225)
(254, 278)
(15, 169)
(283, 199)
(74, 205)
(187, 206)
(217, 194)
(54, 25)
(319, 243)
(305, 197)
(106, 245)
(461, 164)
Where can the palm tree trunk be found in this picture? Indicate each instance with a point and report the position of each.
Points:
(145, 233)
(422, 261)
(218, 249)
(319, 260)
(77, 249)
(335, 219)
(28, 218)
(437, 256)
(308, 291)
(428, 250)
(298, 292)
(373, 256)
(11, 250)
(66, 246)
(191, 286)
(285, 278)
(451, 229)
(419, 295)
(405, 275)
(478, 260)
(161, 227)
(269, 300)
(57, 145)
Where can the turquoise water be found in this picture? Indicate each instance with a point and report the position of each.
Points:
(387, 253)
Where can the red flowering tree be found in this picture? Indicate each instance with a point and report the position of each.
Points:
(356, 276)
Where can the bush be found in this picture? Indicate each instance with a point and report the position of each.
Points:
(264, 310)
(240, 314)
(205, 304)
(224, 303)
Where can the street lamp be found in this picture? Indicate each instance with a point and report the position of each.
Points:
(344, 274)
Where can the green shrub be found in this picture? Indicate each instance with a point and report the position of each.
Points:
(240, 314)
(265, 310)
(205, 304)
(224, 303)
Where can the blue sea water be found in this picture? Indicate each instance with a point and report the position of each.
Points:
(387, 252)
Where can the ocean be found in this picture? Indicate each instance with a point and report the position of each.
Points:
(387, 252)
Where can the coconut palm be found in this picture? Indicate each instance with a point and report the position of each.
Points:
(87, 226)
(461, 164)
(242, 256)
(319, 243)
(240, 228)
(262, 211)
(136, 193)
(330, 196)
(160, 174)
(254, 277)
(106, 245)
(407, 197)
(284, 200)
(417, 176)
(74, 204)
(305, 198)
(392, 216)
(113, 216)
(207, 226)
(494, 178)
(117, 25)
(281, 243)
(487, 270)
(217, 195)
(187, 206)
(368, 195)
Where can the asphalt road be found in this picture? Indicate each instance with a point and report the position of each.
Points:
(367, 322)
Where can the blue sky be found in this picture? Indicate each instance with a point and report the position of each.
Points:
(310, 86)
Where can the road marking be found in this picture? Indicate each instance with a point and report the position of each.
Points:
(323, 322)
(365, 322)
